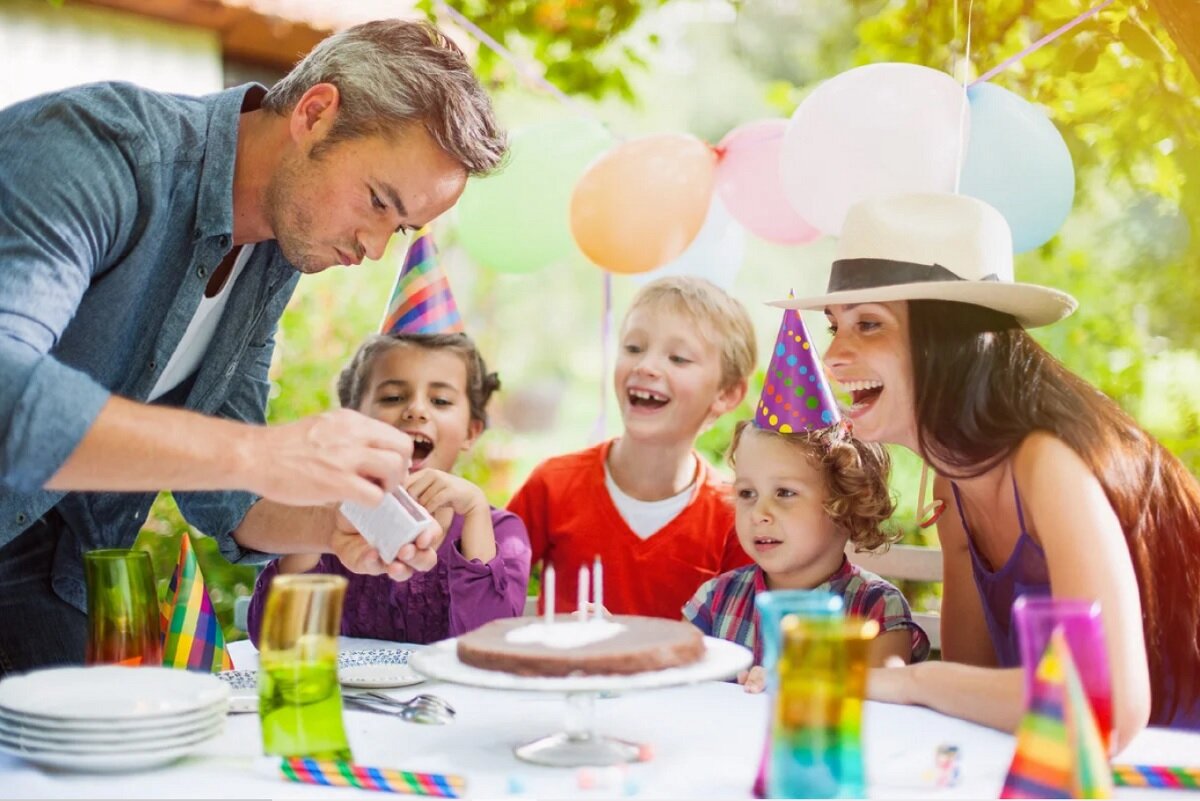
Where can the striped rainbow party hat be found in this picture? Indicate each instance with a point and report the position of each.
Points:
(421, 301)
(1059, 751)
(192, 637)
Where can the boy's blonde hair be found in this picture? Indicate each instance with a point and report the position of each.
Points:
(857, 497)
(720, 318)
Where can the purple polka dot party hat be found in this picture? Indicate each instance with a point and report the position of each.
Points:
(795, 396)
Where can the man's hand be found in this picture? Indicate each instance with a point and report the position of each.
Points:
(336, 456)
(359, 556)
(436, 490)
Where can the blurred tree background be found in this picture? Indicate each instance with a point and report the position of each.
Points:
(1117, 87)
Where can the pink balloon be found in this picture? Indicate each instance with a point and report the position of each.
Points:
(750, 183)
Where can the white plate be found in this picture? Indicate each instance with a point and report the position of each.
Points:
(103, 763)
(377, 668)
(109, 692)
(722, 660)
(169, 727)
(70, 745)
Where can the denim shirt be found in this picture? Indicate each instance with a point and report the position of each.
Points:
(116, 207)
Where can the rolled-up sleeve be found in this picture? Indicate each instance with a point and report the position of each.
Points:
(69, 204)
(481, 592)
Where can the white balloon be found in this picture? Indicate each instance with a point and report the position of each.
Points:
(716, 253)
(882, 129)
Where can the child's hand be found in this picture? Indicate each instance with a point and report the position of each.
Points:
(753, 680)
(436, 490)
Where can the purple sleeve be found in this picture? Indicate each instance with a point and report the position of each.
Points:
(481, 593)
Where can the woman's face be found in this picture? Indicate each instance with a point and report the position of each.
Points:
(871, 358)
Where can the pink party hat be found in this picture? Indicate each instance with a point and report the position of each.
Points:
(795, 396)
(421, 302)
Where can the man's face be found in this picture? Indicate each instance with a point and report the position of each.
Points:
(344, 204)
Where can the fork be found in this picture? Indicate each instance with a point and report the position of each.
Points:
(422, 698)
(421, 709)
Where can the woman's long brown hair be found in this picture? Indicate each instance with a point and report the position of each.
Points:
(982, 385)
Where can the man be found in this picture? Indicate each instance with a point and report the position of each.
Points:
(148, 246)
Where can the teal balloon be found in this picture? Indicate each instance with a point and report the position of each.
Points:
(1018, 162)
(516, 221)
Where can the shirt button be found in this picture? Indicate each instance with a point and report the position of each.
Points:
(153, 365)
(201, 271)
(224, 240)
(197, 235)
(21, 517)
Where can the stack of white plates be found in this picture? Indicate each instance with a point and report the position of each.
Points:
(109, 719)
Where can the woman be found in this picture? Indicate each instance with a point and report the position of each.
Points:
(1050, 487)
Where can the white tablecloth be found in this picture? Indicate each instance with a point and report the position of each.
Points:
(706, 741)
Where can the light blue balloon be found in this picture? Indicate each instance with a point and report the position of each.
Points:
(1018, 162)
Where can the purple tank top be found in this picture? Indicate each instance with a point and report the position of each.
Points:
(1025, 573)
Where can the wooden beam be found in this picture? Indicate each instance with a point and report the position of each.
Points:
(1182, 21)
(245, 34)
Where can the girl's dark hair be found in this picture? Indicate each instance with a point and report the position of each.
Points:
(856, 479)
(352, 382)
(1013, 387)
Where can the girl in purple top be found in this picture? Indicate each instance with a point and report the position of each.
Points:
(1056, 489)
(435, 388)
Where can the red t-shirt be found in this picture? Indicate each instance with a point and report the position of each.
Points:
(571, 519)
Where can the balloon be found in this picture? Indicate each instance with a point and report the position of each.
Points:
(515, 221)
(642, 203)
(750, 183)
(1018, 162)
(881, 129)
(716, 253)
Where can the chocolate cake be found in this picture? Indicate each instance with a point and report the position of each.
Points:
(621, 644)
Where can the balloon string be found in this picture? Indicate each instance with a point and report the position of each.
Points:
(601, 425)
(964, 106)
(1040, 43)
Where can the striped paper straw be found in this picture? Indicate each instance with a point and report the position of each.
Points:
(336, 773)
(1156, 776)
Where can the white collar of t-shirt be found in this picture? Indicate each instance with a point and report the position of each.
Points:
(645, 518)
(199, 334)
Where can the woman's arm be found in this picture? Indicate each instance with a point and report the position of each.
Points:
(1088, 558)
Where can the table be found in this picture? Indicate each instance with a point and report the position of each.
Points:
(706, 742)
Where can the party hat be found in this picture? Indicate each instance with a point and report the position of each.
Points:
(421, 301)
(192, 637)
(1059, 751)
(795, 396)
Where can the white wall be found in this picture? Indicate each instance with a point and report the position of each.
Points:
(45, 47)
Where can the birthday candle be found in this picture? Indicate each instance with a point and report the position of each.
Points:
(581, 604)
(548, 592)
(598, 588)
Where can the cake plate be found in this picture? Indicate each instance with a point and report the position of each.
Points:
(580, 745)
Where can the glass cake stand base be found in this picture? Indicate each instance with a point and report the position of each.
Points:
(580, 745)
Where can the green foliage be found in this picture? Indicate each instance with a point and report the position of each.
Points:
(582, 44)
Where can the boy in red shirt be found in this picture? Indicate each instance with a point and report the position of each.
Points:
(646, 503)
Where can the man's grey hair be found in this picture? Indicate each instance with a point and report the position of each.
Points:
(391, 73)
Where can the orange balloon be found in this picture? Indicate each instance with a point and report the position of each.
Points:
(642, 203)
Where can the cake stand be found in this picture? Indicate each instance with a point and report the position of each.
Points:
(579, 744)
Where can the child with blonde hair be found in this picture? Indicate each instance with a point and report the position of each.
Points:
(646, 503)
(804, 487)
(435, 388)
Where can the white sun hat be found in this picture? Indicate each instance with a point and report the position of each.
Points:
(932, 247)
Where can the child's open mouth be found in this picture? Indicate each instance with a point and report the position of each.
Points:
(762, 544)
(645, 399)
(863, 395)
(422, 447)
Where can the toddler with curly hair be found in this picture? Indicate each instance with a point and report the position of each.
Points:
(799, 498)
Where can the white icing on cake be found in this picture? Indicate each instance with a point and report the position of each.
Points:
(564, 635)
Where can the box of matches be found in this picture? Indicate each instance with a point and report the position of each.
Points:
(397, 520)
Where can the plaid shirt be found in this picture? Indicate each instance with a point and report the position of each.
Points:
(724, 606)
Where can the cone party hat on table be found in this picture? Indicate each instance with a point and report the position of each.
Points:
(796, 396)
(1059, 751)
(421, 301)
(192, 637)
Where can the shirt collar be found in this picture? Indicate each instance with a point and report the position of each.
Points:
(214, 209)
